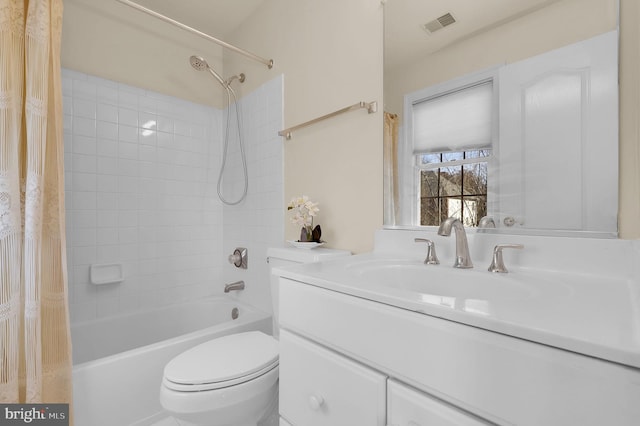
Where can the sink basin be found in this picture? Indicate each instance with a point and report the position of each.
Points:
(441, 280)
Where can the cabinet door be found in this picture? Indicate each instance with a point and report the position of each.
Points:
(408, 407)
(558, 149)
(321, 388)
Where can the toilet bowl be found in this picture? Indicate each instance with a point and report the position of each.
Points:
(230, 381)
(233, 380)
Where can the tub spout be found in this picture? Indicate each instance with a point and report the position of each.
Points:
(238, 285)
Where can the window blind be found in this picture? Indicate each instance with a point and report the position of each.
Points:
(455, 121)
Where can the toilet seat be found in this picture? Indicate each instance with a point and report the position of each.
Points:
(222, 362)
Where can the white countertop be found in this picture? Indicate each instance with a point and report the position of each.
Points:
(587, 313)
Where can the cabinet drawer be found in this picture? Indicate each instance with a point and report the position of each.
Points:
(321, 388)
(408, 407)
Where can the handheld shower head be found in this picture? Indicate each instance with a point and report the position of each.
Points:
(199, 63)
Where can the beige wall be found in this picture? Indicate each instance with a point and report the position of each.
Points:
(330, 53)
(554, 26)
(113, 41)
(629, 213)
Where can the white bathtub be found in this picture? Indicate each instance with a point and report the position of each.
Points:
(118, 362)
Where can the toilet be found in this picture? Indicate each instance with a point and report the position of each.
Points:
(233, 380)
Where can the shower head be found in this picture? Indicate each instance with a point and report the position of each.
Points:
(200, 64)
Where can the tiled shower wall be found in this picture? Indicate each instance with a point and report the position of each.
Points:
(257, 222)
(141, 172)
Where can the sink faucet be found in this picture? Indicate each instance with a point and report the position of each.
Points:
(463, 260)
(238, 285)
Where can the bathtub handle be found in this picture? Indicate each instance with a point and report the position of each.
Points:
(239, 258)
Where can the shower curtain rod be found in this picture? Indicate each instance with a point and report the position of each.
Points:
(267, 62)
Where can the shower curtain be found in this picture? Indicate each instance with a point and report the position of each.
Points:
(35, 355)
(390, 168)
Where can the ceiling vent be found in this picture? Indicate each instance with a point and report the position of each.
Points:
(439, 23)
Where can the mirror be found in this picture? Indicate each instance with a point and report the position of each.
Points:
(548, 168)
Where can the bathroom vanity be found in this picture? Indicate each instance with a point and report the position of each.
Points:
(382, 339)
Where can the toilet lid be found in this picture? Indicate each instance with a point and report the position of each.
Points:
(224, 359)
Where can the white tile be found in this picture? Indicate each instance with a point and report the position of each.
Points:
(127, 218)
(128, 150)
(128, 117)
(106, 200)
(127, 134)
(107, 165)
(147, 153)
(108, 307)
(106, 236)
(84, 200)
(127, 99)
(107, 112)
(84, 108)
(67, 86)
(165, 140)
(128, 184)
(79, 312)
(85, 256)
(84, 126)
(107, 218)
(84, 237)
(107, 148)
(106, 254)
(107, 95)
(84, 145)
(164, 124)
(67, 124)
(181, 128)
(149, 169)
(83, 89)
(83, 218)
(84, 182)
(127, 201)
(127, 167)
(148, 104)
(127, 235)
(106, 130)
(107, 183)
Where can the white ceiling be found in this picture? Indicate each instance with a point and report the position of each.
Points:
(404, 37)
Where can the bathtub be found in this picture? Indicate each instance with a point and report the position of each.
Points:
(118, 361)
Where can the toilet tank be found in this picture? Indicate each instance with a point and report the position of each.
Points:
(279, 257)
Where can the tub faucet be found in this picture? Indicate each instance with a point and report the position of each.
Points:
(238, 285)
(463, 260)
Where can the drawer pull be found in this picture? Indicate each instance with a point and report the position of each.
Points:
(315, 402)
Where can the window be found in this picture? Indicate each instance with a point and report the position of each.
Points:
(450, 141)
(453, 184)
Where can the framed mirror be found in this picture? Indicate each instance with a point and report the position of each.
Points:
(503, 114)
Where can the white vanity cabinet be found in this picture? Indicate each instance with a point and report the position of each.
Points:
(409, 407)
(370, 363)
(321, 388)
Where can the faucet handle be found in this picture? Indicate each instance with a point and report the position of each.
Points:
(431, 258)
(497, 263)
